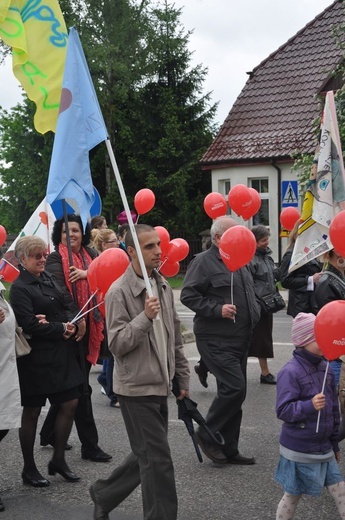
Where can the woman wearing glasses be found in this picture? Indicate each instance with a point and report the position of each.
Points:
(50, 370)
(102, 240)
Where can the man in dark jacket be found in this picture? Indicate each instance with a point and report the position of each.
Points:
(222, 326)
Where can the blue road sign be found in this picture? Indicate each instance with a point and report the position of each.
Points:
(289, 194)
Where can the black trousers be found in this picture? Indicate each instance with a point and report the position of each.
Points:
(149, 464)
(83, 418)
(228, 363)
(3, 434)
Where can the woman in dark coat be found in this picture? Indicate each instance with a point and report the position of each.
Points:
(72, 279)
(50, 370)
(262, 268)
(301, 282)
(331, 287)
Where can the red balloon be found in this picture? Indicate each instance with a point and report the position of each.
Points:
(109, 266)
(330, 329)
(91, 275)
(239, 198)
(178, 249)
(169, 269)
(164, 238)
(336, 233)
(254, 205)
(215, 205)
(3, 235)
(144, 201)
(8, 273)
(289, 217)
(100, 299)
(237, 247)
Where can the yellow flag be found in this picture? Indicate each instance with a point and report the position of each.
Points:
(4, 5)
(36, 31)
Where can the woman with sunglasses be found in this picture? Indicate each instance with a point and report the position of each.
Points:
(50, 370)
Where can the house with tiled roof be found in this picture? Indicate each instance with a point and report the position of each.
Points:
(273, 118)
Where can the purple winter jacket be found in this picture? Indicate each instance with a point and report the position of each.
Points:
(297, 383)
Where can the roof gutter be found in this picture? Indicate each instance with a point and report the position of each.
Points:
(279, 172)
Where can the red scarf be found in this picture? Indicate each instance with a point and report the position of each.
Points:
(94, 320)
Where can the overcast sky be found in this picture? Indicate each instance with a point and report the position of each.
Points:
(230, 38)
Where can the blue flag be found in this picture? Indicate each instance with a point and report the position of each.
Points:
(80, 127)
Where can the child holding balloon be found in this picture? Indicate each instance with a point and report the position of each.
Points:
(309, 450)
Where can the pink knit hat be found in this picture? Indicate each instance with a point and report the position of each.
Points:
(302, 331)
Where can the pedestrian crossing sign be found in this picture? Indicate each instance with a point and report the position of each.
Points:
(289, 194)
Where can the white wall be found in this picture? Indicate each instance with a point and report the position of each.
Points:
(243, 175)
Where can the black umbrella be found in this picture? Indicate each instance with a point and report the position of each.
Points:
(187, 411)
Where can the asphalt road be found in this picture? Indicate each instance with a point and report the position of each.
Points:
(206, 491)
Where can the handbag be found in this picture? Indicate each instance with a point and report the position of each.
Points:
(21, 344)
(272, 302)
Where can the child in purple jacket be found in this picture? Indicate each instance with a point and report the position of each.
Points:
(308, 458)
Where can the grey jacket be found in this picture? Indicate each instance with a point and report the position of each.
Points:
(207, 287)
(138, 370)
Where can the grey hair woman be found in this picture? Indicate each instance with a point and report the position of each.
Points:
(50, 371)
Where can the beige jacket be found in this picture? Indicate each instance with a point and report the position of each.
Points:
(138, 370)
(10, 409)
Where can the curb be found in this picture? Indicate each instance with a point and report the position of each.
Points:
(188, 337)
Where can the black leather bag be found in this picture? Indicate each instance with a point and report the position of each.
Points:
(272, 302)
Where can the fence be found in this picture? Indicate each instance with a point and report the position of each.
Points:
(195, 246)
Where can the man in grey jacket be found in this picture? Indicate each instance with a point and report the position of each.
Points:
(144, 334)
(226, 311)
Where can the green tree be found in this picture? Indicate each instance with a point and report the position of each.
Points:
(158, 119)
(171, 128)
(24, 166)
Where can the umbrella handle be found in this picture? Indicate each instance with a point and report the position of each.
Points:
(217, 437)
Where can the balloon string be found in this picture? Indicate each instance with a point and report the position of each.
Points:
(136, 222)
(77, 316)
(161, 264)
(322, 391)
(232, 291)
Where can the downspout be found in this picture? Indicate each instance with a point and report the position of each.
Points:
(279, 172)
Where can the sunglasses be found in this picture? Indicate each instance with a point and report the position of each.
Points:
(38, 256)
(112, 241)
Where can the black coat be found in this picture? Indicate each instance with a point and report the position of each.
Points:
(51, 365)
(263, 270)
(300, 300)
(329, 287)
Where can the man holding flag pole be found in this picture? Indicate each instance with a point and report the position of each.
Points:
(80, 127)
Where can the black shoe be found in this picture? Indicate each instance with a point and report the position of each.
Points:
(98, 513)
(36, 481)
(268, 380)
(67, 474)
(212, 451)
(241, 460)
(202, 377)
(96, 456)
(2, 507)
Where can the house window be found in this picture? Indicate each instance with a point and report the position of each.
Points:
(227, 188)
(262, 187)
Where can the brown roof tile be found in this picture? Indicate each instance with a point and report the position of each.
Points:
(273, 115)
